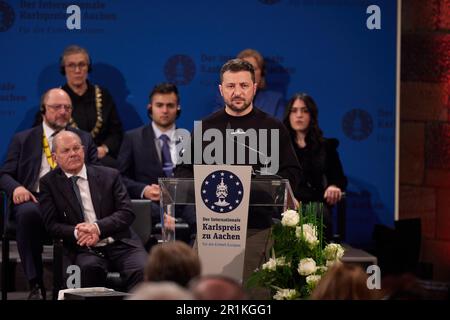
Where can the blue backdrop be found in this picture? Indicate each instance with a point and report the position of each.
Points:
(322, 47)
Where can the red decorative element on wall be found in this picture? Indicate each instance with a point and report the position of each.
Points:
(426, 58)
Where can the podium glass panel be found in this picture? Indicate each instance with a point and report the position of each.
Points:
(271, 195)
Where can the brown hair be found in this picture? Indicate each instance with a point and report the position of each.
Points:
(237, 65)
(217, 287)
(173, 261)
(344, 282)
(252, 53)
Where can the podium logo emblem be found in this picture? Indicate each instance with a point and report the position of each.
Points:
(180, 69)
(222, 191)
(357, 124)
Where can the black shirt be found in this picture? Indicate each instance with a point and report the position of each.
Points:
(85, 116)
(321, 167)
(289, 168)
(288, 165)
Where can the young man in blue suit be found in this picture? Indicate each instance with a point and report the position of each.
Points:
(27, 160)
(149, 152)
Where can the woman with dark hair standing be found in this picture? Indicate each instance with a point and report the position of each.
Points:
(318, 157)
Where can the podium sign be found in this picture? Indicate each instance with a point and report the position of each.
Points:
(222, 196)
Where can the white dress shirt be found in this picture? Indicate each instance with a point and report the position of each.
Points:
(88, 207)
(172, 145)
(45, 167)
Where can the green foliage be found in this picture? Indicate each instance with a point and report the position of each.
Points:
(296, 240)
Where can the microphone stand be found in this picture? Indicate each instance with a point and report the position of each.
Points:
(264, 171)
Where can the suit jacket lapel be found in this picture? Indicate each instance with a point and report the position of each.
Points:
(152, 150)
(94, 188)
(36, 150)
(65, 186)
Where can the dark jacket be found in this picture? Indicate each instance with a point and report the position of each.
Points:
(321, 167)
(61, 210)
(139, 160)
(23, 161)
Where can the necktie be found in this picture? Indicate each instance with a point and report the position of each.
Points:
(167, 163)
(48, 153)
(77, 193)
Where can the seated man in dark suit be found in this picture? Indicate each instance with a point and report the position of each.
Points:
(149, 152)
(89, 208)
(29, 159)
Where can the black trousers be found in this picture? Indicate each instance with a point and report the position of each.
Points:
(30, 235)
(121, 257)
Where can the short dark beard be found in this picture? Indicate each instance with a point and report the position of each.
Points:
(55, 126)
(240, 110)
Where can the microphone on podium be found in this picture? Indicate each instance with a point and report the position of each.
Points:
(265, 159)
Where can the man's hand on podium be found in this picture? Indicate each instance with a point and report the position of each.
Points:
(152, 192)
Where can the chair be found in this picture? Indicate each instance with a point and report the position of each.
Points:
(141, 225)
(8, 227)
(341, 220)
(8, 234)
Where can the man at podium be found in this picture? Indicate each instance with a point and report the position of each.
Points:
(249, 137)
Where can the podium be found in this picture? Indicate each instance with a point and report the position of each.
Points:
(269, 197)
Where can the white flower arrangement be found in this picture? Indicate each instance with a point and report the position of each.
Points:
(333, 251)
(290, 218)
(306, 267)
(309, 233)
(299, 255)
(274, 262)
(286, 294)
(313, 279)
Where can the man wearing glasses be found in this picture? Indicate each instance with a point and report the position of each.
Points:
(28, 159)
(94, 110)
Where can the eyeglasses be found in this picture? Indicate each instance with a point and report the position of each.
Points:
(58, 107)
(74, 66)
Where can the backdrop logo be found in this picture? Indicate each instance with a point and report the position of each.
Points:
(222, 191)
(180, 69)
(357, 124)
(7, 16)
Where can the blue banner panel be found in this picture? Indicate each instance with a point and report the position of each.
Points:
(341, 52)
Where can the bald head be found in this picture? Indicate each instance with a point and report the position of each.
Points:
(217, 288)
(57, 108)
(68, 152)
(64, 135)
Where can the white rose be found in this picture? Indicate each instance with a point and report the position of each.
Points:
(333, 251)
(306, 267)
(290, 218)
(322, 269)
(309, 234)
(285, 294)
(313, 279)
(270, 265)
(281, 261)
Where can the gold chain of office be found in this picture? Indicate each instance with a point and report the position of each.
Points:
(98, 107)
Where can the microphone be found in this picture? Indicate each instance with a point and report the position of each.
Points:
(237, 132)
(179, 139)
(264, 171)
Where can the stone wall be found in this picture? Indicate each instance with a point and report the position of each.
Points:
(425, 127)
